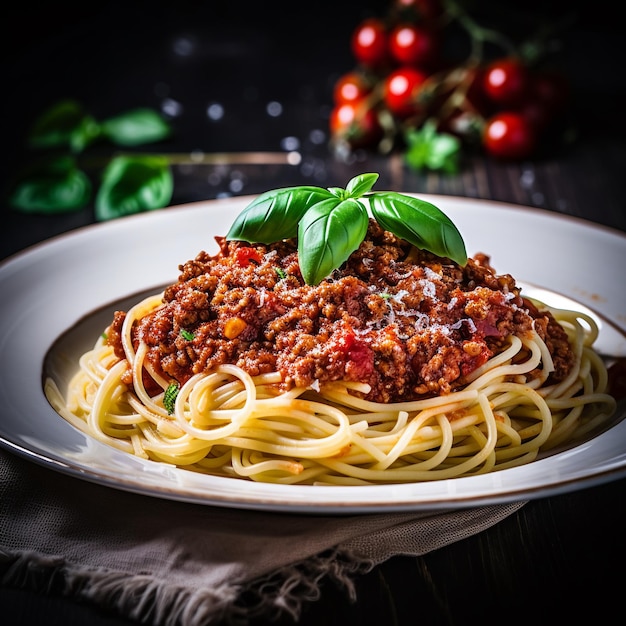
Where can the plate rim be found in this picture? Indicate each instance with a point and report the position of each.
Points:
(429, 197)
(335, 505)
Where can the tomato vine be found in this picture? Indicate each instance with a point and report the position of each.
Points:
(434, 108)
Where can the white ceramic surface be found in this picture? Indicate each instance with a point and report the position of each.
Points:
(59, 285)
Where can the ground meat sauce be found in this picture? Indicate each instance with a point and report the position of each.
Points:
(407, 322)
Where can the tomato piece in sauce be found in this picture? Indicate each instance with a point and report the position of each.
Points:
(247, 255)
(359, 356)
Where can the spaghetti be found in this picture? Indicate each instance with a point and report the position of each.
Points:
(496, 403)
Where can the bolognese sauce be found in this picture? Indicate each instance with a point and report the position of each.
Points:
(408, 323)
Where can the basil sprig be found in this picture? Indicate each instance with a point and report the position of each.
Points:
(59, 183)
(52, 186)
(132, 184)
(68, 124)
(330, 224)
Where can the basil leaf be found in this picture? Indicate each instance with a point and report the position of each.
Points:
(444, 154)
(53, 186)
(419, 222)
(274, 215)
(132, 184)
(328, 233)
(432, 150)
(360, 185)
(86, 133)
(136, 127)
(331, 223)
(65, 124)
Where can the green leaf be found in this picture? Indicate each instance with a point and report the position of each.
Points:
(328, 233)
(65, 125)
(419, 222)
(331, 223)
(132, 184)
(274, 215)
(430, 150)
(136, 127)
(85, 134)
(360, 185)
(52, 186)
(169, 397)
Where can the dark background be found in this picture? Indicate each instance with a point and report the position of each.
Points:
(183, 56)
(113, 56)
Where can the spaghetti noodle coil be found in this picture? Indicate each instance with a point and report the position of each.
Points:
(227, 422)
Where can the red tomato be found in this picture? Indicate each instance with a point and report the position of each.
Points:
(413, 45)
(356, 123)
(369, 43)
(351, 87)
(246, 255)
(475, 94)
(506, 81)
(402, 89)
(509, 135)
(547, 98)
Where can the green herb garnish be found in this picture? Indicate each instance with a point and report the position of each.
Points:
(331, 223)
(132, 184)
(428, 149)
(169, 397)
(59, 182)
(187, 334)
(51, 185)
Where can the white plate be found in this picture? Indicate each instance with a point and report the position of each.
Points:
(51, 287)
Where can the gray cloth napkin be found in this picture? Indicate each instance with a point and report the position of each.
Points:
(169, 563)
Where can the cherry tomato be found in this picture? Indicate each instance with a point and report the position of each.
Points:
(506, 81)
(351, 87)
(356, 123)
(547, 98)
(509, 135)
(402, 89)
(413, 45)
(475, 94)
(369, 43)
